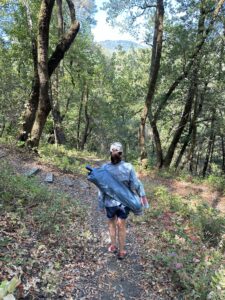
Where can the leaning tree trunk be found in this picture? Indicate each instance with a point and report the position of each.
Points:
(141, 136)
(183, 120)
(87, 128)
(154, 70)
(59, 134)
(223, 153)
(210, 143)
(198, 108)
(47, 67)
(191, 133)
(44, 105)
(184, 146)
(32, 105)
(82, 101)
(31, 108)
(3, 126)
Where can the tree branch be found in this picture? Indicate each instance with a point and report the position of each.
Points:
(66, 40)
(191, 61)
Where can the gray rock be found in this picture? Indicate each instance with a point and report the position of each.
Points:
(68, 181)
(49, 178)
(31, 172)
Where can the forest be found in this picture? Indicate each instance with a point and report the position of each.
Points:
(64, 98)
(164, 101)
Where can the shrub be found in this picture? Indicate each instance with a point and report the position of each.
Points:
(195, 233)
(217, 285)
(217, 182)
(211, 223)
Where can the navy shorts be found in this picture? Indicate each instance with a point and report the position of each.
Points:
(117, 211)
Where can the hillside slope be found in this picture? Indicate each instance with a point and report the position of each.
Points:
(165, 248)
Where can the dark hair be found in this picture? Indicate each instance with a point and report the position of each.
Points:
(116, 157)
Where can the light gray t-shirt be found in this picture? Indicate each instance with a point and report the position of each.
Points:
(123, 172)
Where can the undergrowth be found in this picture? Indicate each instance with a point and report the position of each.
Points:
(65, 159)
(217, 182)
(39, 228)
(21, 196)
(192, 248)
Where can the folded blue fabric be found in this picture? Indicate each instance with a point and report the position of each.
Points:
(115, 189)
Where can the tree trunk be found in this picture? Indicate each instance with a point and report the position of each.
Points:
(183, 120)
(192, 59)
(32, 105)
(59, 134)
(47, 67)
(192, 132)
(44, 106)
(223, 153)
(141, 136)
(183, 148)
(197, 162)
(197, 112)
(210, 144)
(192, 89)
(154, 70)
(158, 146)
(3, 126)
(202, 35)
(191, 153)
(31, 108)
(64, 44)
(212, 151)
(60, 18)
(87, 128)
(82, 100)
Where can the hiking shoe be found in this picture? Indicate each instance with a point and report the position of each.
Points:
(112, 249)
(121, 255)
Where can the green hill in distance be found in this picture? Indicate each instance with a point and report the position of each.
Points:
(112, 46)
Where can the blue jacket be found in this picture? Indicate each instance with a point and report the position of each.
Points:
(124, 173)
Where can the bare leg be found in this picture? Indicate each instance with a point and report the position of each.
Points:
(121, 223)
(112, 230)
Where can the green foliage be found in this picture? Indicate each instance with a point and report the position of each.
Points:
(195, 272)
(192, 270)
(217, 182)
(66, 159)
(201, 215)
(213, 228)
(166, 200)
(193, 244)
(218, 285)
(19, 192)
(21, 195)
(7, 288)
